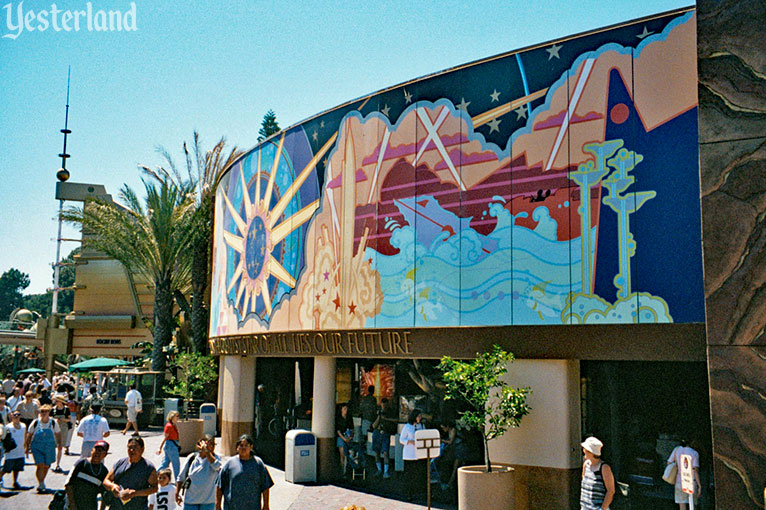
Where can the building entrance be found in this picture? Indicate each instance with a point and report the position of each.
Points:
(641, 411)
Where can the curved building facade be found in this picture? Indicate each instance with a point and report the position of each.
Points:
(547, 200)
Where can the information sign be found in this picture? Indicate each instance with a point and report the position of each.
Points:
(687, 474)
(427, 443)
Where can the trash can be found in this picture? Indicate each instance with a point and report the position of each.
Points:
(171, 404)
(300, 456)
(207, 413)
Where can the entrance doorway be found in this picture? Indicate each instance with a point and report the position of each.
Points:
(284, 403)
(641, 410)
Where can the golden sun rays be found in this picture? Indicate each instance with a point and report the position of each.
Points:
(260, 229)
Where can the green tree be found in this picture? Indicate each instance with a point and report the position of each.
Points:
(269, 125)
(203, 173)
(193, 373)
(493, 406)
(41, 303)
(151, 239)
(12, 282)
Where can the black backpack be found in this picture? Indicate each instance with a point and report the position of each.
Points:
(59, 500)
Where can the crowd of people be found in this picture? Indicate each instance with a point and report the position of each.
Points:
(39, 417)
(457, 443)
(43, 421)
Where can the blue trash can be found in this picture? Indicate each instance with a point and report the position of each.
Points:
(207, 413)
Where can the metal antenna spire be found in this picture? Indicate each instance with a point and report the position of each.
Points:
(63, 176)
(64, 156)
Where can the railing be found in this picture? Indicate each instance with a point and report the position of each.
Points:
(15, 325)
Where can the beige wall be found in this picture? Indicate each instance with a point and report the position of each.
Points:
(550, 435)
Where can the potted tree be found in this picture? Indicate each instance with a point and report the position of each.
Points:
(194, 372)
(492, 408)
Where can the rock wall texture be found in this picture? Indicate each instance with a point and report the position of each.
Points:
(732, 99)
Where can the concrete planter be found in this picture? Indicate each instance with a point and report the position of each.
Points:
(189, 432)
(479, 490)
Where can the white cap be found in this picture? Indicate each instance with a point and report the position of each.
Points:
(593, 445)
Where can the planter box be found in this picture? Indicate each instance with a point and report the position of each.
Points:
(189, 432)
(479, 490)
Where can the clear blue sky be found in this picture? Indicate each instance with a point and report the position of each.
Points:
(218, 67)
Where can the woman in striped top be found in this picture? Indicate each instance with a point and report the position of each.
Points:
(597, 485)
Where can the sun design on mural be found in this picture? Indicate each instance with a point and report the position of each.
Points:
(260, 227)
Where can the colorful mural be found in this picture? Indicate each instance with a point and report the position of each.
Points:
(559, 185)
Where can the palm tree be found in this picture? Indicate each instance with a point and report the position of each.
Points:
(204, 172)
(151, 240)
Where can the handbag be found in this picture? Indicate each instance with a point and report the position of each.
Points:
(671, 470)
(8, 442)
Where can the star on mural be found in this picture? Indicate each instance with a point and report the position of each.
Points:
(495, 95)
(494, 125)
(352, 308)
(321, 125)
(463, 105)
(315, 136)
(521, 112)
(553, 51)
(407, 96)
(385, 110)
(645, 33)
(336, 301)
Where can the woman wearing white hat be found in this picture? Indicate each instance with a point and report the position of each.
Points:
(597, 485)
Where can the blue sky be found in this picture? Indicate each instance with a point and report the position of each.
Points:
(218, 67)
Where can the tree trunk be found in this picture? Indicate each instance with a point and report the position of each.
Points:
(199, 315)
(163, 322)
(486, 451)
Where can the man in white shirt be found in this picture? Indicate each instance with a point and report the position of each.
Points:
(14, 399)
(92, 428)
(134, 402)
(14, 459)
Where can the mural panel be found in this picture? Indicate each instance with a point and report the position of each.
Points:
(558, 185)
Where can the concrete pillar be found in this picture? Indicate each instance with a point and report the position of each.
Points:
(323, 415)
(238, 380)
(219, 407)
(545, 449)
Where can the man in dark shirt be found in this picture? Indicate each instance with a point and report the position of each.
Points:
(86, 479)
(369, 411)
(132, 478)
(243, 481)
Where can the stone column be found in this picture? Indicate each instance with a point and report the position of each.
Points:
(238, 380)
(323, 415)
(732, 136)
(545, 449)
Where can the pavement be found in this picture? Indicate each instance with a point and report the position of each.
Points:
(283, 496)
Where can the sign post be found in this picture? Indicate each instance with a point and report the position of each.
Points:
(427, 446)
(686, 470)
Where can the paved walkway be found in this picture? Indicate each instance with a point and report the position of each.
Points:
(284, 495)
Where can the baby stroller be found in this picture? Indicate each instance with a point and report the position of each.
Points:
(356, 460)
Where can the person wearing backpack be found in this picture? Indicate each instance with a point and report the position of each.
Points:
(597, 484)
(86, 481)
(43, 437)
(195, 486)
